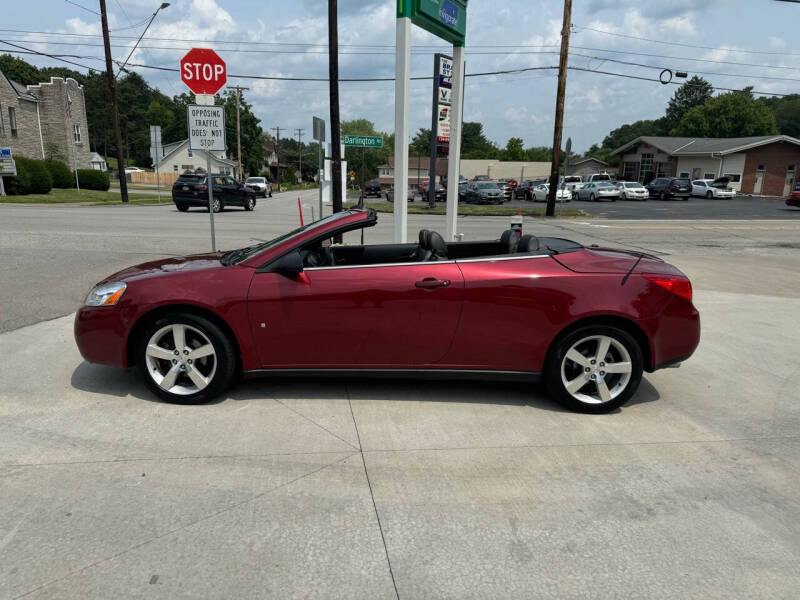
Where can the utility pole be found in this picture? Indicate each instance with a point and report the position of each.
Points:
(299, 133)
(559, 124)
(333, 77)
(112, 90)
(277, 131)
(238, 89)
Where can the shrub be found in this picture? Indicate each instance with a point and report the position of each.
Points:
(61, 174)
(92, 179)
(33, 177)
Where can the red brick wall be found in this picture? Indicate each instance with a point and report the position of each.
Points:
(775, 158)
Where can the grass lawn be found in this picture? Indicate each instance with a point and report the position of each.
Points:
(471, 209)
(69, 196)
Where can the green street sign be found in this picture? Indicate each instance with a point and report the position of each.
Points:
(446, 19)
(363, 141)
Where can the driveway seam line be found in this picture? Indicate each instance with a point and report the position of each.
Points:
(371, 494)
(181, 528)
(310, 420)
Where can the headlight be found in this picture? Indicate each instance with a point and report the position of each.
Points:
(107, 294)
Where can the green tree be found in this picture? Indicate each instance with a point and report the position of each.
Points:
(514, 149)
(734, 114)
(787, 113)
(366, 162)
(694, 92)
(18, 70)
(630, 131)
(253, 154)
(539, 154)
(420, 143)
(474, 143)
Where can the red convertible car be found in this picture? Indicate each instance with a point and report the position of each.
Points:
(585, 320)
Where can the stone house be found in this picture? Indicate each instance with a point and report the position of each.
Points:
(588, 166)
(35, 118)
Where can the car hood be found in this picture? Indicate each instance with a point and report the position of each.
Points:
(721, 182)
(168, 266)
(610, 260)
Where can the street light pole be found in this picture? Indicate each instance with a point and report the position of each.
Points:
(112, 90)
(122, 67)
(333, 76)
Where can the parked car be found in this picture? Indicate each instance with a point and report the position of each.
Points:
(481, 178)
(410, 193)
(540, 193)
(586, 321)
(794, 198)
(462, 191)
(599, 177)
(665, 188)
(601, 190)
(440, 193)
(372, 188)
(713, 188)
(578, 187)
(484, 192)
(134, 170)
(260, 185)
(191, 189)
(571, 182)
(525, 189)
(505, 188)
(632, 190)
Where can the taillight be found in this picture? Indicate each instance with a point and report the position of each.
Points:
(680, 286)
(205, 188)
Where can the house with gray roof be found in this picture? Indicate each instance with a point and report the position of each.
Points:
(759, 165)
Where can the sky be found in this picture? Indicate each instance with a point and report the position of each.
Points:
(289, 39)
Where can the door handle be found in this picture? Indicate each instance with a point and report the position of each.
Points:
(429, 283)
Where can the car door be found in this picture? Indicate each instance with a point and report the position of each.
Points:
(233, 191)
(370, 316)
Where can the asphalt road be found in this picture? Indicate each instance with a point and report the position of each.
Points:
(397, 489)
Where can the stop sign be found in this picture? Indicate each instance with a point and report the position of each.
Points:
(203, 71)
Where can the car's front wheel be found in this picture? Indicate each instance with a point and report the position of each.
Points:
(217, 204)
(186, 359)
(594, 369)
(182, 207)
(591, 197)
(663, 196)
(709, 195)
(250, 203)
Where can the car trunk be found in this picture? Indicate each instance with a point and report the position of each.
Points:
(721, 183)
(607, 260)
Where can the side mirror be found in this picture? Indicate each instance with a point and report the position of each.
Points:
(291, 265)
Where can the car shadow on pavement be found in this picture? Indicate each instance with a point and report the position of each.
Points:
(99, 379)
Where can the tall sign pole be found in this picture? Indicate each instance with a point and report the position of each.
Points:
(238, 89)
(402, 98)
(333, 68)
(112, 90)
(454, 146)
(440, 115)
(562, 87)
(318, 133)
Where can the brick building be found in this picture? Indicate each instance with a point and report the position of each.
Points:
(760, 165)
(36, 118)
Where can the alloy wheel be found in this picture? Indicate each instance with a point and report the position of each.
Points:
(596, 369)
(180, 359)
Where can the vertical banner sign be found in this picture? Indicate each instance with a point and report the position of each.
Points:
(440, 116)
(206, 125)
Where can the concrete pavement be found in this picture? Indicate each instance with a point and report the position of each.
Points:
(398, 489)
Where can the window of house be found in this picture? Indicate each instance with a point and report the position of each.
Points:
(761, 168)
(709, 175)
(789, 169)
(76, 133)
(12, 120)
(175, 168)
(735, 177)
(684, 174)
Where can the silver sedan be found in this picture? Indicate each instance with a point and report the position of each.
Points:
(598, 190)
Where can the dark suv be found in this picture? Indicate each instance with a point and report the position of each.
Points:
(191, 189)
(372, 188)
(665, 188)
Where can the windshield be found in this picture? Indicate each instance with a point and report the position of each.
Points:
(604, 184)
(255, 180)
(629, 184)
(236, 256)
(487, 186)
(601, 178)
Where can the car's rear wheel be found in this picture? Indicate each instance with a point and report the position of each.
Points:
(217, 204)
(624, 196)
(709, 195)
(250, 203)
(594, 369)
(663, 195)
(591, 197)
(182, 207)
(186, 359)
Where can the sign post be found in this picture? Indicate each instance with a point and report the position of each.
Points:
(206, 125)
(446, 19)
(318, 133)
(440, 115)
(155, 152)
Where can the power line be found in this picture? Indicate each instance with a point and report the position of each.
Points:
(53, 56)
(94, 12)
(682, 45)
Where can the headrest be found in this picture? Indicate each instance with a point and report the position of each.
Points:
(423, 237)
(528, 243)
(437, 245)
(509, 241)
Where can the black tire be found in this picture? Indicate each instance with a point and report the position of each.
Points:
(182, 207)
(250, 203)
(663, 196)
(624, 196)
(709, 195)
(224, 355)
(218, 205)
(591, 197)
(556, 386)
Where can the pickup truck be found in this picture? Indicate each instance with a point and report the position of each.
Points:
(191, 189)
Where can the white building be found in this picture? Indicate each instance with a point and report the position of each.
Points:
(178, 157)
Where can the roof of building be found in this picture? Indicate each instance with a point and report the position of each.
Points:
(587, 159)
(694, 146)
(20, 90)
(176, 146)
(419, 162)
(96, 158)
